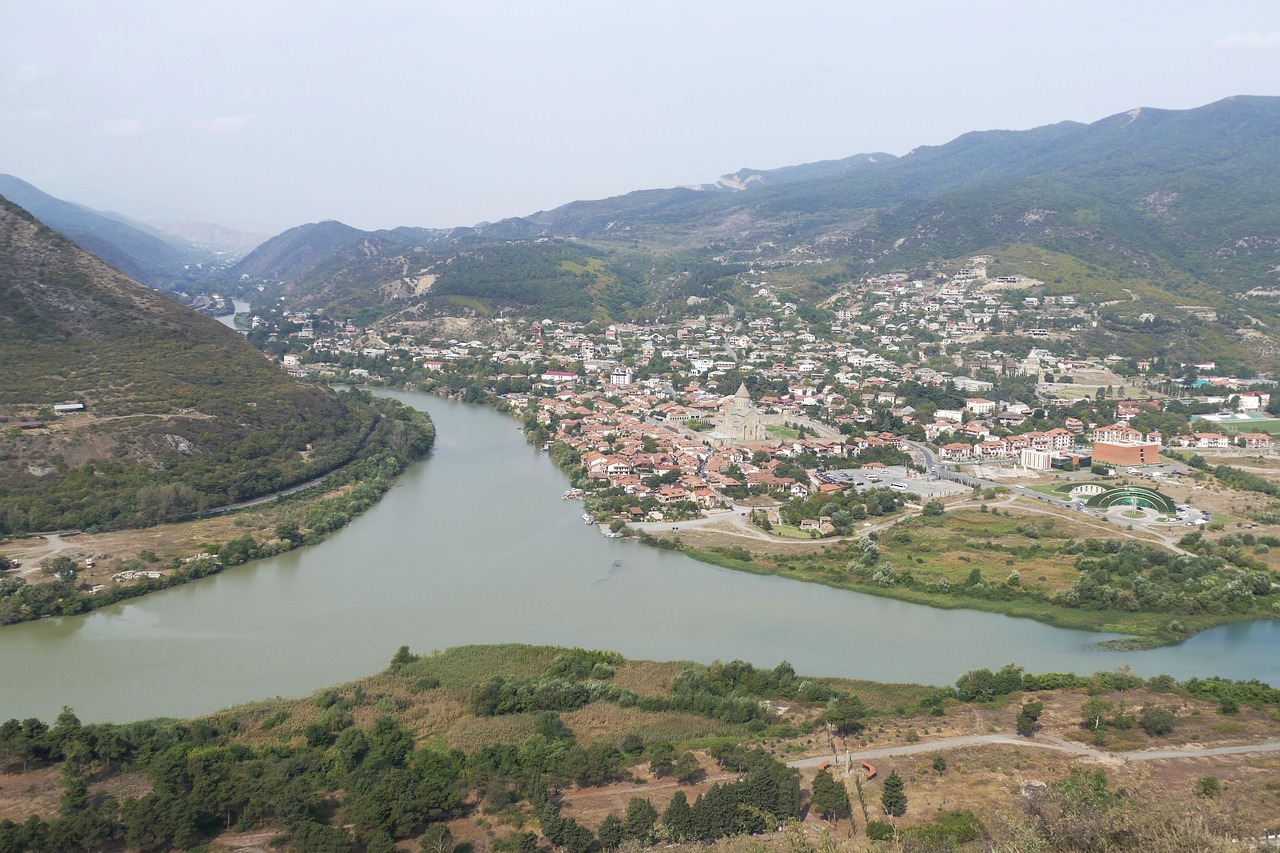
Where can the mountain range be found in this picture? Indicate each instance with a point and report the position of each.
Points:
(1163, 209)
(1180, 207)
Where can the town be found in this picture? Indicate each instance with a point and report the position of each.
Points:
(893, 376)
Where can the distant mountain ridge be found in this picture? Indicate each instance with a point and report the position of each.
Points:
(747, 178)
(140, 252)
(209, 236)
(1181, 204)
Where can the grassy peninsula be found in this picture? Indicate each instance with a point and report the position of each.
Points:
(1027, 564)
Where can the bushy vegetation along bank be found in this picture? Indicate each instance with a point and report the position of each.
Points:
(399, 435)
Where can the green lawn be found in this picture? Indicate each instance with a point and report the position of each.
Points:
(787, 531)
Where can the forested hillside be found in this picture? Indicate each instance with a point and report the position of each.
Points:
(179, 412)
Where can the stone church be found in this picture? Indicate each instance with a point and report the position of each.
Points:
(740, 421)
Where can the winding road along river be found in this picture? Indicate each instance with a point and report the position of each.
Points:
(474, 545)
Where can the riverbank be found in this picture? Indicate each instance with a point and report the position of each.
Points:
(1142, 630)
(919, 560)
(483, 513)
(78, 572)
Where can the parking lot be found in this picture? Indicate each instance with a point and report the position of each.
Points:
(909, 481)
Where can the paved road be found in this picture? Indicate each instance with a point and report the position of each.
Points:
(1044, 742)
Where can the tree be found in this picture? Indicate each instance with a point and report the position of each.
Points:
(845, 713)
(830, 798)
(1093, 713)
(638, 824)
(610, 832)
(389, 741)
(1029, 718)
(893, 798)
(934, 508)
(687, 769)
(678, 818)
(312, 837)
(402, 658)
(976, 685)
(662, 759)
(940, 764)
(437, 839)
(288, 531)
(62, 566)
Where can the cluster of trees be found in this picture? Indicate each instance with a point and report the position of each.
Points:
(1132, 576)
(511, 695)
(767, 796)
(845, 508)
(1236, 478)
(555, 278)
(1232, 693)
(1221, 578)
(1097, 715)
(729, 692)
(203, 783)
(231, 461)
(204, 780)
(983, 685)
(231, 465)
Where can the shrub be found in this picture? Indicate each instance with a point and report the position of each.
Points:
(1208, 786)
(1157, 720)
(879, 830)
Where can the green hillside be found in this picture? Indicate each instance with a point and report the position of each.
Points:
(180, 412)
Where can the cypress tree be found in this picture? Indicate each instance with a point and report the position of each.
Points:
(830, 798)
(610, 832)
(893, 798)
(638, 826)
(677, 819)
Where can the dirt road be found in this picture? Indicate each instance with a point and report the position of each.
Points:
(1042, 742)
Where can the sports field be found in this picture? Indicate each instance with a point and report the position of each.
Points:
(1241, 422)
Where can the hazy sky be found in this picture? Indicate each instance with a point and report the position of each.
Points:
(266, 114)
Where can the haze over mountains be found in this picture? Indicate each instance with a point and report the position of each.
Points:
(1173, 208)
(161, 256)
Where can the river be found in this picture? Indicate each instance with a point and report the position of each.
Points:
(229, 320)
(474, 545)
